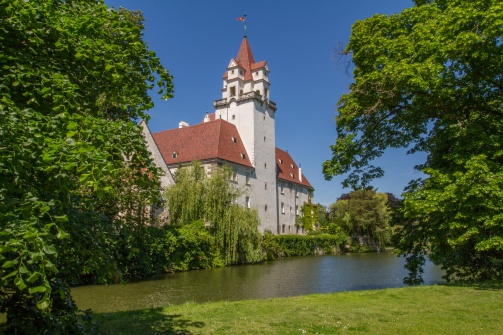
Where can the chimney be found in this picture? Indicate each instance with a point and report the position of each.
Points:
(300, 173)
(183, 124)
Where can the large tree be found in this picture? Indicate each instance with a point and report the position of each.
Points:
(74, 75)
(431, 79)
(363, 213)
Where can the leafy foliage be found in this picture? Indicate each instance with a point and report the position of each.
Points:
(430, 79)
(212, 199)
(310, 217)
(363, 213)
(73, 76)
(300, 245)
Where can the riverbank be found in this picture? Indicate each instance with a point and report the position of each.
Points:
(438, 309)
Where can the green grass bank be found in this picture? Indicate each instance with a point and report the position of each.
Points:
(439, 309)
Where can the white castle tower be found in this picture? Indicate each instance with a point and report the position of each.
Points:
(245, 103)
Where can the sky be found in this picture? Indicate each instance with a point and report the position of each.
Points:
(196, 39)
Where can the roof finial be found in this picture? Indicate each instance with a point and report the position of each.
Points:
(243, 18)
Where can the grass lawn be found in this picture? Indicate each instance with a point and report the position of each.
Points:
(441, 309)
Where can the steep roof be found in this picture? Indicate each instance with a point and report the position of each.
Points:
(288, 170)
(208, 140)
(246, 61)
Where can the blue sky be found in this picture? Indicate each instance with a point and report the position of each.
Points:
(195, 41)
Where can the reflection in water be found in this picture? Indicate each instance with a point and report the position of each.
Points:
(280, 278)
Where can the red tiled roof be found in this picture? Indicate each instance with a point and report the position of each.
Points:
(207, 140)
(245, 60)
(284, 163)
(258, 65)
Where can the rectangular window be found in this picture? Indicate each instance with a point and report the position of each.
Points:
(265, 208)
(296, 193)
(296, 210)
(282, 208)
(247, 178)
(265, 186)
(282, 189)
(247, 202)
(283, 229)
(233, 175)
(233, 91)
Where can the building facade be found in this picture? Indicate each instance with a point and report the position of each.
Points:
(241, 134)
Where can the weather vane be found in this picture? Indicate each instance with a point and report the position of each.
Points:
(243, 18)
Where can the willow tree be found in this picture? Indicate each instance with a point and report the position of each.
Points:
(74, 74)
(430, 79)
(212, 199)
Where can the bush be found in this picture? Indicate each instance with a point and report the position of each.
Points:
(299, 245)
(191, 247)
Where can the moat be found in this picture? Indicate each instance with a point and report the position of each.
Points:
(280, 278)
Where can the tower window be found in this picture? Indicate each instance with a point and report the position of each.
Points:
(233, 117)
(233, 91)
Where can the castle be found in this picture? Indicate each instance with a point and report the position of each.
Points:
(241, 134)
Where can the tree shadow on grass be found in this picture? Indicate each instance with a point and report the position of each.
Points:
(147, 321)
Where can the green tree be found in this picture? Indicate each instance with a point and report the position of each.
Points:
(323, 215)
(363, 213)
(310, 217)
(430, 79)
(74, 74)
(212, 199)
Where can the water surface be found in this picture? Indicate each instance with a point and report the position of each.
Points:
(280, 278)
